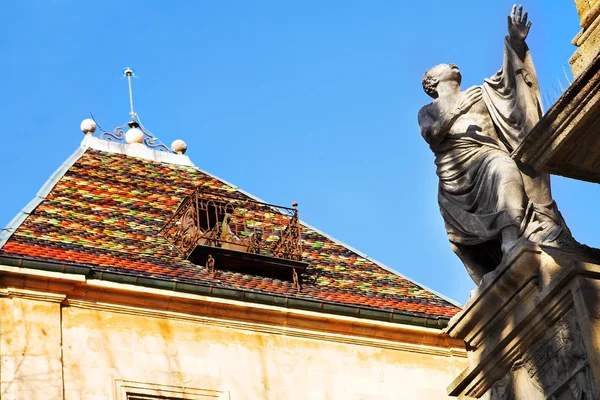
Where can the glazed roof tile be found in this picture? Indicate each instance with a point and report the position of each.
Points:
(106, 209)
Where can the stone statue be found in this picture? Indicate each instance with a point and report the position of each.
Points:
(487, 200)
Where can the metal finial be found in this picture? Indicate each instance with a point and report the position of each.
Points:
(137, 133)
(128, 72)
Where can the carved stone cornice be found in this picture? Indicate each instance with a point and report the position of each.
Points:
(565, 141)
(32, 295)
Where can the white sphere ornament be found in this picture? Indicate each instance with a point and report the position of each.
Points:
(179, 146)
(88, 126)
(134, 135)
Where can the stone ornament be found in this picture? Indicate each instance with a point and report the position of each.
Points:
(487, 200)
(556, 367)
(179, 146)
(134, 135)
(88, 126)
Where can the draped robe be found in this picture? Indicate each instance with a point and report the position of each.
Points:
(475, 171)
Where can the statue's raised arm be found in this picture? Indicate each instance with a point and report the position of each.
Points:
(487, 200)
(512, 94)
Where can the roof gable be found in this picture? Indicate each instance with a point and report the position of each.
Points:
(105, 206)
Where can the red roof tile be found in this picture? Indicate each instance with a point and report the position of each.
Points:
(106, 210)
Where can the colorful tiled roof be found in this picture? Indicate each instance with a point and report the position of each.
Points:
(107, 208)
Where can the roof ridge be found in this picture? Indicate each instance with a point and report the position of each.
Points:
(136, 150)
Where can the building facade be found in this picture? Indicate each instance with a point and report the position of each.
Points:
(97, 302)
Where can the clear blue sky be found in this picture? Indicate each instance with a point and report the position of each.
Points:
(313, 101)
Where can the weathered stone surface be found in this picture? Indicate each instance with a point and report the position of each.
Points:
(533, 328)
(566, 141)
(584, 8)
(588, 39)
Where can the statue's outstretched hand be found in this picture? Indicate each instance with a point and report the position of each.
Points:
(518, 27)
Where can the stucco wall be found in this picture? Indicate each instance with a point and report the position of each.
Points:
(104, 346)
(30, 364)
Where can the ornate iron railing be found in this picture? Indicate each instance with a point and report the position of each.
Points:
(226, 222)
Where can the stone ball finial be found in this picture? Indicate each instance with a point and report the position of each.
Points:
(179, 146)
(88, 126)
(134, 135)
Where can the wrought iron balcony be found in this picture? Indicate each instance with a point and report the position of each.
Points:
(222, 231)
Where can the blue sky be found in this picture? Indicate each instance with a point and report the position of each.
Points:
(310, 101)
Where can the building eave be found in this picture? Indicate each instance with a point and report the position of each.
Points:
(247, 296)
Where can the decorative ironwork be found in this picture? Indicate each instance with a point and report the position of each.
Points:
(236, 224)
(118, 134)
(239, 225)
(296, 279)
(210, 264)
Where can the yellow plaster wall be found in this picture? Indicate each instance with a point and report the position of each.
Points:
(102, 346)
(30, 353)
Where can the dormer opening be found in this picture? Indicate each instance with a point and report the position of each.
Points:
(220, 231)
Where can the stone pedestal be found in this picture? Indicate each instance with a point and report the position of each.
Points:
(532, 328)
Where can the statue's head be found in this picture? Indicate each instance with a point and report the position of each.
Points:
(437, 74)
